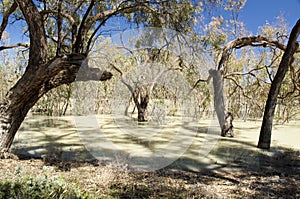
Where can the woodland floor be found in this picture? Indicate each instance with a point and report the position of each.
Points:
(236, 170)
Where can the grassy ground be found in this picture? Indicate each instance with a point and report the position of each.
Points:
(234, 168)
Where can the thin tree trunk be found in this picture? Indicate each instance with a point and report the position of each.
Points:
(287, 58)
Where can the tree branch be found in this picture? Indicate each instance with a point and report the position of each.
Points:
(198, 81)
(38, 43)
(54, 12)
(239, 86)
(250, 72)
(122, 79)
(127, 9)
(83, 29)
(105, 15)
(64, 70)
(256, 41)
(59, 29)
(14, 46)
(94, 33)
(6, 15)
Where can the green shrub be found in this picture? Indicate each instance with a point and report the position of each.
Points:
(39, 187)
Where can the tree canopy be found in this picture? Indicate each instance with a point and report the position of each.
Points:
(61, 35)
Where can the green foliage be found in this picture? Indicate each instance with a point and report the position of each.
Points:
(39, 187)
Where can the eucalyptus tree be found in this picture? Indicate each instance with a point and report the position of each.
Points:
(155, 65)
(70, 26)
(245, 76)
(217, 33)
(286, 62)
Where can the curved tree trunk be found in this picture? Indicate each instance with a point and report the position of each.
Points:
(25, 93)
(287, 58)
(41, 75)
(255, 41)
(33, 85)
(22, 97)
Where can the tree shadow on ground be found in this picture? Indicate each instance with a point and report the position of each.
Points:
(230, 161)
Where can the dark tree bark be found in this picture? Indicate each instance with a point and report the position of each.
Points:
(41, 75)
(31, 87)
(142, 104)
(287, 58)
(73, 42)
(25, 93)
(142, 109)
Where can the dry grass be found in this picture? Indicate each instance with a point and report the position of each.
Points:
(107, 181)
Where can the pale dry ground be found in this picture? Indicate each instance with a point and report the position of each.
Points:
(233, 168)
(140, 146)
(287, 135)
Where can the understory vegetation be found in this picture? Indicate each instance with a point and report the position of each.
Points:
(34, 178)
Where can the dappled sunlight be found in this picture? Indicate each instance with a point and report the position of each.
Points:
(179, 144)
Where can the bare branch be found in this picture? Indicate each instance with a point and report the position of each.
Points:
(94, 33)
(239, 86)
(200, 80)
(123, 80)
(14, 46)
(250, 72)
(6, 15)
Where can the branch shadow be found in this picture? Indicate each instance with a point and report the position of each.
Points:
(65, 150)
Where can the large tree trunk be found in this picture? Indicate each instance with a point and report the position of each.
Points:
(33, 85)
(14, 108)
(25, 93)
(142, 115)
(266, 128)
(19, 100)
(41, 75)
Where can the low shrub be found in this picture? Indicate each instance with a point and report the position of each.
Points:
(39, 187)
